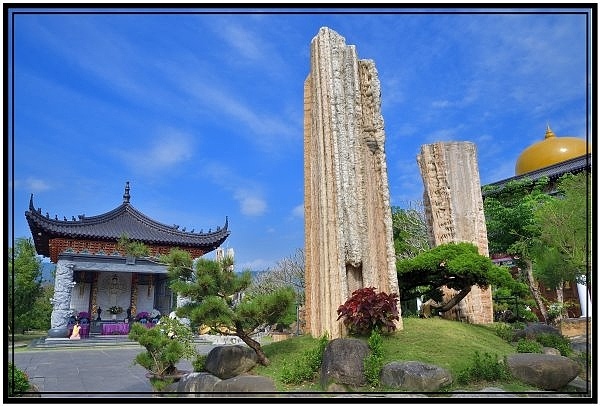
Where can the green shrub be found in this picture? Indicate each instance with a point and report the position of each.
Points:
(305, 367)
(484, 367)
(366, 311)
(18, 382)
(374, 361)
(530, 346)
(199, 363)
(504, 330)
(560, 342)
(166, 344)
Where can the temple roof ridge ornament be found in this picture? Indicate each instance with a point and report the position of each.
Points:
(549, 132)
(126, 195)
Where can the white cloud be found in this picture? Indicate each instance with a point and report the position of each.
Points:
(250, 205)
(257, 264)
(298, 211)
(33, 185)
(166, 150)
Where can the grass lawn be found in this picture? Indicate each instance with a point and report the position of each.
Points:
(448, 344)
(27, 337)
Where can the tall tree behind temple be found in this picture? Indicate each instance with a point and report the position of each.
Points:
(565, 234)
(513, 228)
(24, 285)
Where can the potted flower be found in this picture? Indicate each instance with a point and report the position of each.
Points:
(142, 317)
(166, 344)
(114, 310)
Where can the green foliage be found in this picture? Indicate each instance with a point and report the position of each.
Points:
(409, 232)
(373, 363)
(304, 367)
(214, 290)
(529, 346)
(18, 382)
(560, 342)
(366, 311)
(484, 368)
(24, 286)
(505, 331)
(166, 344)
(455, 265)
(199, 363)
(565, 232)
(133, 248)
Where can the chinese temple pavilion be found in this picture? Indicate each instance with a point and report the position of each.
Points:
(95, 276)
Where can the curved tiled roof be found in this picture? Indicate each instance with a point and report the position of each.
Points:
(110, 226)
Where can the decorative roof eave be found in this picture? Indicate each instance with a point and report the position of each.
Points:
(553, 172)
(124, 219)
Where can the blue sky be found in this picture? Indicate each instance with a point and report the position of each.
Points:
(203, 113)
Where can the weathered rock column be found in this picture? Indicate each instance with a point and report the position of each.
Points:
(61, 301)
(454, 213)
(348, 223)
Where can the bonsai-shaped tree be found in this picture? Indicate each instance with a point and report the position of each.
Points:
(217, 300)
(166, 344)
(457, 266)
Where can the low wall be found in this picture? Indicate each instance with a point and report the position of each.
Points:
(574, 327)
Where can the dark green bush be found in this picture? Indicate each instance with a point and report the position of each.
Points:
(484, 367)
(18, 382)
(504, 330)
(530, 346)
(199, 363)
(305, 367)
(374, 361)
(560, 342)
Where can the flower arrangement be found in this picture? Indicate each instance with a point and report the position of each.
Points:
(142, 315)
(115, 310)
(83, 315)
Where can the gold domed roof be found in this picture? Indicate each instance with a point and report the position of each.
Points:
(550, 151)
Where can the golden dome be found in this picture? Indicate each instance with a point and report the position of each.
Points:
(550, 151)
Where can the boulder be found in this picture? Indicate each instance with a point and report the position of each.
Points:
(227, 362)
(197, 382)
(531, 331)
(550, 351)
(342, 363)
(246, 383)
(414, 376)
(549, 372)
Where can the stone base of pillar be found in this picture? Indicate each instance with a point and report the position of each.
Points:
(58, 332)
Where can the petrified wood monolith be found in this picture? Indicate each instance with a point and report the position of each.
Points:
(348, 224)
(454, 213)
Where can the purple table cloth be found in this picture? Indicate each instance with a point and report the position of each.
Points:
(115, 328)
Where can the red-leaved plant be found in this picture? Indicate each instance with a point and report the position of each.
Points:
(366, 311)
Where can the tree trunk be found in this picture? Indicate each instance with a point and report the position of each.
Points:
(535, 292)
(255, 345)
(561, 300)
(444, 307)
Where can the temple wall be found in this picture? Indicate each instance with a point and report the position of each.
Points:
(454, 213)
(348, 226)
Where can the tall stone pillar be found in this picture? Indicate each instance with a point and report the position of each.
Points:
(454, 213)
(61, 301)
(348, 223)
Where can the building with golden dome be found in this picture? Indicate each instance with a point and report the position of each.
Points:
(550, 151)
(552, 158)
